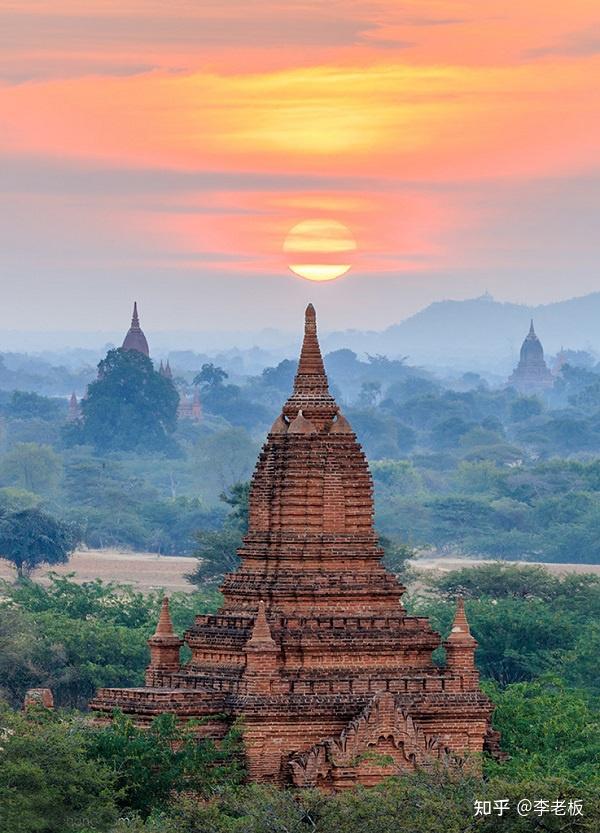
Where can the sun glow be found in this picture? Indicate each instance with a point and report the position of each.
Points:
(320, 271)
(316, 246)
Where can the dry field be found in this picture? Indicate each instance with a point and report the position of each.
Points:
(148, 571)
(145, 570)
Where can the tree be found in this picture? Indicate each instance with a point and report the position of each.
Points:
(370, 392)
(75, 638)
(217, 551)
(29, 405)
(447, 433)
(280, 377)
(130, 407)
(210, 376)
(35, 468)
(228, 457)
(155, 763)
(48, 782)
(547, 729)
(499, 581)
(31, 537)
(397, 555)
(524, 408)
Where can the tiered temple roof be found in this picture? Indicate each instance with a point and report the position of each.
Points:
(312, 645)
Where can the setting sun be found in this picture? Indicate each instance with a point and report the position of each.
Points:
(317, 247)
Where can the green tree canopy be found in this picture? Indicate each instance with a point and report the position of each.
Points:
(48, 784)
(33, 467)
(130, 407)
(210, 376)
(217, 551)
(31, 537)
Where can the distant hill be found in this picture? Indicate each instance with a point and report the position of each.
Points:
(480, 332)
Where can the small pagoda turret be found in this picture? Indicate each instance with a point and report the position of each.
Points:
(460, 648)
(165, 647)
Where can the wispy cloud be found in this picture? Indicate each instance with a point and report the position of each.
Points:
(582, 43)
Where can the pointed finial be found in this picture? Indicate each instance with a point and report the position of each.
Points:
(135, 321)
(531, 330)
(165, 625)
(461, 631)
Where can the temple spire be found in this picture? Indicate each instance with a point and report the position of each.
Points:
(531, 330)
(311, 361)
(135, 321)
(311, 389)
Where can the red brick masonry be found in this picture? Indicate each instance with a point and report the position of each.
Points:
(312, 646)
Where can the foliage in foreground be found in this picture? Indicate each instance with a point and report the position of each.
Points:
(538, 646)
(152, 765)
(437, 803)
(60, 773)
(78, 637)
(47, 782)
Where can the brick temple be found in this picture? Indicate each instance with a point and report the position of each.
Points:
(312, 647)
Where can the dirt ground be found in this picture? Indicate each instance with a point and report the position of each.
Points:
(145, 570)
(148, 571)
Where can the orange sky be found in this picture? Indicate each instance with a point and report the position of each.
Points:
(174, 144)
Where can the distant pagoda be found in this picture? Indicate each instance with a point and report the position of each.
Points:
(189, 408)
(312, 647)
(135, 338)
(532, 374)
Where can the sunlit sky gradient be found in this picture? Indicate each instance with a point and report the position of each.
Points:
(163, 150)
